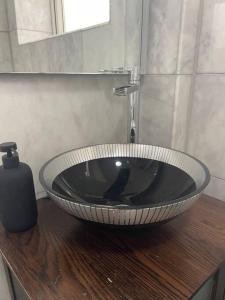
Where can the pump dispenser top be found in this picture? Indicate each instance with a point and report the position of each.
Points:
(11, 159)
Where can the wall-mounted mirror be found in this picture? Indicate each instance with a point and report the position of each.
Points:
(69, 36)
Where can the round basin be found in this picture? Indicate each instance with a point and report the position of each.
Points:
(124, 184)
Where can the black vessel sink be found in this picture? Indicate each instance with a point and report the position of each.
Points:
(124, 184)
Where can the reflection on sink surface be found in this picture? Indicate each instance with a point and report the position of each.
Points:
(124, 184)
(124, 180)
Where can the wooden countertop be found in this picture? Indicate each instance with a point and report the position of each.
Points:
(63, 258)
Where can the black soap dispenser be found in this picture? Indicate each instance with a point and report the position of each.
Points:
(18, 205)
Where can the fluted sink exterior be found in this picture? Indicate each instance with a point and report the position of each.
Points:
(119, 215)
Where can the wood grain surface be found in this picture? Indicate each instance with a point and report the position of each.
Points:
(63, 258)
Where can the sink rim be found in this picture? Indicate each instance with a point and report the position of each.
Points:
(189, 196)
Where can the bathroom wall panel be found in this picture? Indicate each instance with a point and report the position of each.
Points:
(171, 36)
(47, 115)
(216, 188)
(206, 138)
(181, 111)
(211, 58)
(190, 15)
(163, 34)
(164, 110)
(156, 109)
(133, 36)
(187, 38)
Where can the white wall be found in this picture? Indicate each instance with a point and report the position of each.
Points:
(49, 114)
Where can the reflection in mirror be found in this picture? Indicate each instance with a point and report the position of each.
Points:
(80, 14)
(69, 36)
(54, 17)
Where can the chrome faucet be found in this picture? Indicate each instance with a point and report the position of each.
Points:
(132, 91)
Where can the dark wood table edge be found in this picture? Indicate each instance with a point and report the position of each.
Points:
(217, 293)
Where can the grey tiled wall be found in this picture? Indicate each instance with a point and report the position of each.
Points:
(50, 114)
(156, 113)
(183, 95)
(172, 34)
(206, 135)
